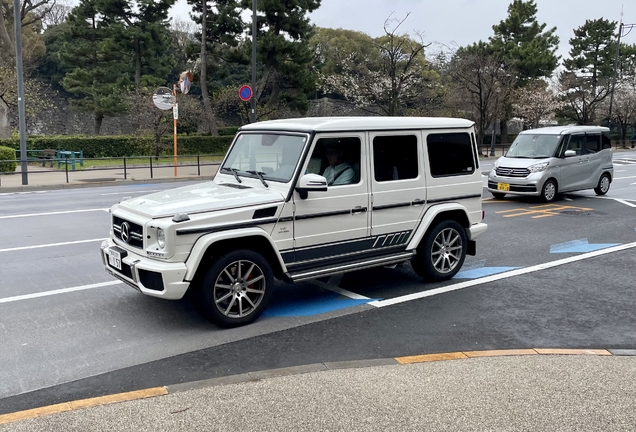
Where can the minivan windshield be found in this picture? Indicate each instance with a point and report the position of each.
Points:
(273, 156)
(534, 146)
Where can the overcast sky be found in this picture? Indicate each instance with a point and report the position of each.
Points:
(460, 22)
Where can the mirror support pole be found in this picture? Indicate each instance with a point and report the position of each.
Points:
(20, 72)
(175, 115)
(254, 30)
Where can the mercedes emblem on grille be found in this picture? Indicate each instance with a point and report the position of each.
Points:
(125, 232)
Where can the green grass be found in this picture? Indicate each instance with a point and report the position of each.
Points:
(135, 162)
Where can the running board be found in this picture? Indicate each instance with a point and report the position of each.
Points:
(352, 266)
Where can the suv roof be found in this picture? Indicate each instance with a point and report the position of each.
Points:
(327, 124)
(558, 130)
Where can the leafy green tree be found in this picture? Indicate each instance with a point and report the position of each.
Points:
(586, 81)
(287, 76)
(525, 45)
(97, 73)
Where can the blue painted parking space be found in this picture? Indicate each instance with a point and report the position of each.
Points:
(323, 303)
(579, 246)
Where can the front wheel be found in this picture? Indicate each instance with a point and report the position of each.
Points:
(442, 253)
(236, 289)
(603, 185)
(549, 191)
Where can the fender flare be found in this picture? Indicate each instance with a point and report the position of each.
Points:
(204, 242)
(431, 213)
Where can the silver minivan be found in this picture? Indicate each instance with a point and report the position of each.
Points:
(551, 160)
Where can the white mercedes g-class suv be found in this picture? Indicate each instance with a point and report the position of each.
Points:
(298, 199)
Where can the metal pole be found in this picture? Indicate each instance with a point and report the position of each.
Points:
(253, 100)
(618, 45)
(17, 25)
(174, 90)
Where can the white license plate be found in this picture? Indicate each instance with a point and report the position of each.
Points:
(114, 258)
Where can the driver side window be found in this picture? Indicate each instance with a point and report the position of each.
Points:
(576, 143)
(337, 159)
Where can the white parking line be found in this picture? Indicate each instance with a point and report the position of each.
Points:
(58, 291)
(50, 245)
(500, 276)
(622, 201)
(51, 213)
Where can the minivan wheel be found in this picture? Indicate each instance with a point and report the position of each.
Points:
(441, 254)
(549, 191)
(603, 185)
(236, 289)
(498, 195)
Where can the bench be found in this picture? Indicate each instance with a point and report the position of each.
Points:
(47, 154)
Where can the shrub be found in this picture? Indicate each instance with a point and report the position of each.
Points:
(228, 131)
(7, 154)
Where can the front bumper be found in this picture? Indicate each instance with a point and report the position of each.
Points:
(530, 185)
(150, 277)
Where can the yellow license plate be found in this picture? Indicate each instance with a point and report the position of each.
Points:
(503, 186)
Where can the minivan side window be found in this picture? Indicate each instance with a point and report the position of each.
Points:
(606, 141)
(576, 143)
(592, 143)
(450, 154)
(395, 157)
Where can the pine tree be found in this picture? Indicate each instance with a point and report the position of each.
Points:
(97, 74)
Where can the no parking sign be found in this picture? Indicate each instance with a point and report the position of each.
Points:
(245, 93)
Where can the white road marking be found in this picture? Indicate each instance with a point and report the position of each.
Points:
(624, 178)
(500, 276)
(58, 291)
(23, 193)
(51, 245)
(622, 201)
(333, 286)
(128, 192)
(51, 213)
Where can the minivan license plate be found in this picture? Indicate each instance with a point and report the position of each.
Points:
(503, 186)
(114, 259)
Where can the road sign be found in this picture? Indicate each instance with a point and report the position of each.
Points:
(245, 93)
(175, 111)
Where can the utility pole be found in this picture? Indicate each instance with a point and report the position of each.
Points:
(621, 27)
(17, 25)
(253, 99)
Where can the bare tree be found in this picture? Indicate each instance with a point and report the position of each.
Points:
(55, 14)
(625, 107)
(30, 13)
(534, 102)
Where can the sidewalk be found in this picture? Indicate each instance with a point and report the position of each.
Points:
(501, 391)
(40, 178)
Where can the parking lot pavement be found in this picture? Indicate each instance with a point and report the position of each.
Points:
(509, 391)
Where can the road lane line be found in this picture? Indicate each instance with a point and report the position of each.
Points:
(499, 276)
(51, 213)
(338, 290)
(624, 178)
(57, 291)
(51, 245)
(129, 192)
(622, 201)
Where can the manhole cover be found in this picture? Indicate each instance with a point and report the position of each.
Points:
(575, 213)
(98, 180)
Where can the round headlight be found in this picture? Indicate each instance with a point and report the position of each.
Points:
(161, 238)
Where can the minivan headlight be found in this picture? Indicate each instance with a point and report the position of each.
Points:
(161, 238)
(538, 167)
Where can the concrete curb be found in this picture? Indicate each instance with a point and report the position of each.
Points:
(297, 370)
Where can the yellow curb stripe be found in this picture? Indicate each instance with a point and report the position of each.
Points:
(430, 357)
(83, 403)
(493, 353)
(548, 351)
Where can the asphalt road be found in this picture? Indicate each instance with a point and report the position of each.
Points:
(557, 275)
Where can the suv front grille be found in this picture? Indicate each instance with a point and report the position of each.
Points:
(512, 172)
(135, 233)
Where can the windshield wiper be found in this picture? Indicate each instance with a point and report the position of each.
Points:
(260, 176)
(233, 171)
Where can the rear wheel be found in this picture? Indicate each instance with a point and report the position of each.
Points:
(498, 195)
(236, 289)
(603, 185)
(549, 191)
(442, 253)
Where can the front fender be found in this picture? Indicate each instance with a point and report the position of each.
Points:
(431, 213)
(204, 242)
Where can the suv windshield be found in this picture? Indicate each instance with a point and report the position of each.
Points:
(273, 155)
(534, 146)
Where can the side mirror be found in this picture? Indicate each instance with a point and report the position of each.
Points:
(311, 183)
(569, 153)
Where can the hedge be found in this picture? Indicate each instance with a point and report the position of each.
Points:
(7, 154)
(126, 145)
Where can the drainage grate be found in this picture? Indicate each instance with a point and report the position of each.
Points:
(575, 213)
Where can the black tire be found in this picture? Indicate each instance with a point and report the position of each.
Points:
(549, 191)
(226, 296)
(439, 243)
(603, 185)
(498, 195)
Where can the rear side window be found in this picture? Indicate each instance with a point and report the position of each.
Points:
(450, 154)
(606, 142)
(395, 157)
